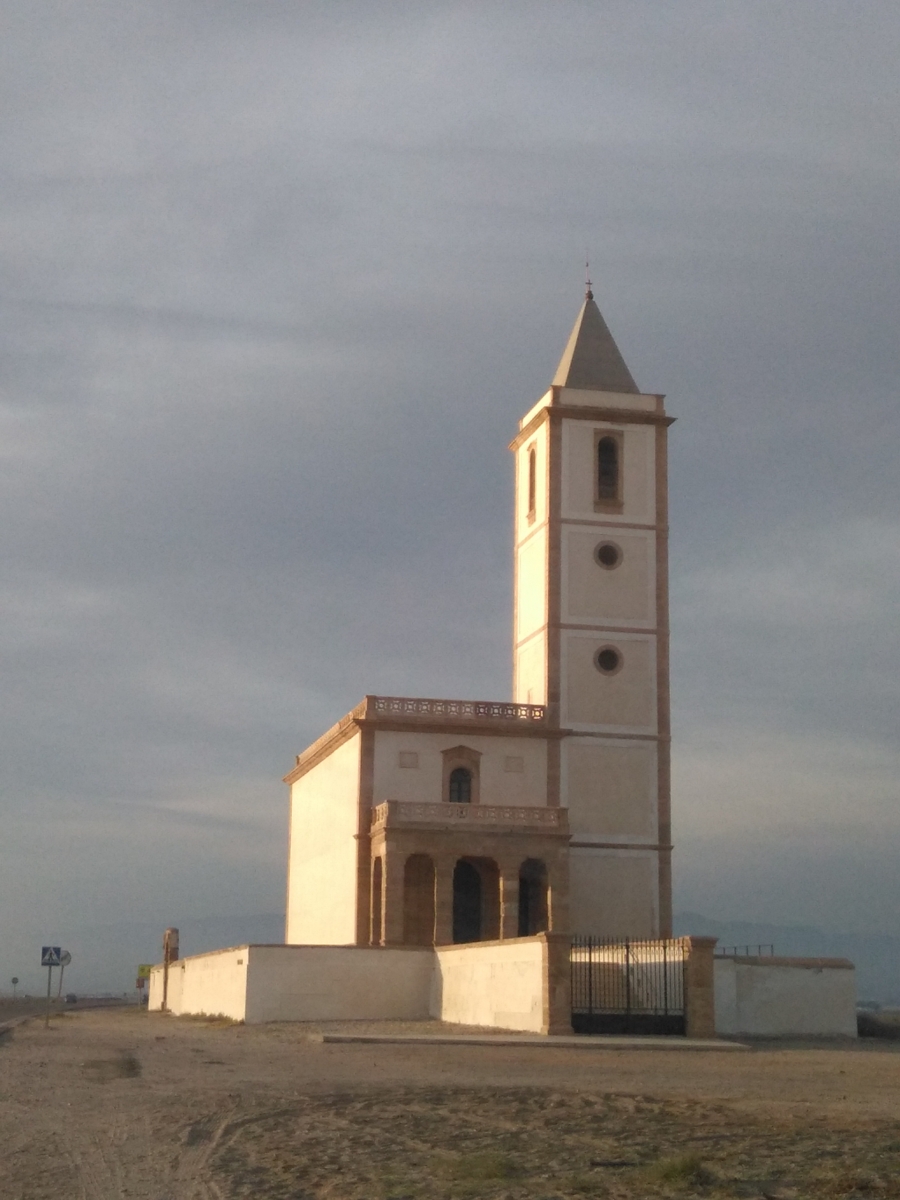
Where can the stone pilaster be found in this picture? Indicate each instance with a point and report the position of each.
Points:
(392, 883)
(509, 902)
(443, 899)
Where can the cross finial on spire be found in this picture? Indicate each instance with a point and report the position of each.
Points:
(588, 294)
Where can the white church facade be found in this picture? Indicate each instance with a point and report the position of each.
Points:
(433, 822)
(482, 863)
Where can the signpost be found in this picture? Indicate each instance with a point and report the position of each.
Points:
(143, 975)
(170, 955)
(64, 959)
(51, 956)
(15, 983)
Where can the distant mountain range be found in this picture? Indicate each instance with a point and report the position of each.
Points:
(877, 957)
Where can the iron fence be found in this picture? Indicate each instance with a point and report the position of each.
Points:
(625, 986)
(754, 950)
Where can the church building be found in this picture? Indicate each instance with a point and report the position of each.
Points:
(428, 821)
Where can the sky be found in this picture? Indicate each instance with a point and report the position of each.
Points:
(277, 282)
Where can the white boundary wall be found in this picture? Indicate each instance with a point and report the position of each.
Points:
(496, 984)
(785, 997)
(338, 983)
(213, 984)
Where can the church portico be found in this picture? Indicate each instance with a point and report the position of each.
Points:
(437, 879)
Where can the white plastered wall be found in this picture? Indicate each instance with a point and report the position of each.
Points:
(334, 983)
(784, 998)
(530, 566)
(498, 985)
(531, 671)
(212, 985)
(501, 780)
(531, 584)
(613, 893)
(322, 871)
(539, 442)
(495, 984)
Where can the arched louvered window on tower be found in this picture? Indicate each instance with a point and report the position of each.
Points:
(608, 478)
(460, 786)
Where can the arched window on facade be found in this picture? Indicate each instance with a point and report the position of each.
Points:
(460, 786)
(608, 469)
(532, 481)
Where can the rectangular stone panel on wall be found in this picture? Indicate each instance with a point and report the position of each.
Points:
(611, 788)
(613, 893)
(638, 472)
(623, 701)
(625, 595)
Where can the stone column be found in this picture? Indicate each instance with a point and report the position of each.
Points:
(557, 998)
(392, 884)
(558, 891)
(699, 988)
(509, 901)
(443, 899)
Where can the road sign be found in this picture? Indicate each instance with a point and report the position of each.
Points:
(65, 958)
(51, 956)
(144, 970)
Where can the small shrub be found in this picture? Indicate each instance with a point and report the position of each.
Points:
(684, 1170)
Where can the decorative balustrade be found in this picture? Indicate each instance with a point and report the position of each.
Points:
(392, 813)
(452, 710)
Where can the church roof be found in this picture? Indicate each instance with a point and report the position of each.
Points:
(591, 360)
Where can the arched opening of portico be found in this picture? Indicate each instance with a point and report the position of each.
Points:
(418, 900)
(533, 907)
(476, 900)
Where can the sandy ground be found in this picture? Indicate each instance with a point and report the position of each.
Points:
(119, 1103)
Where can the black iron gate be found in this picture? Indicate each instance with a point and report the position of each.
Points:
(621, 986)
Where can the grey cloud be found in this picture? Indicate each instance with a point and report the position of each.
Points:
(279, 281)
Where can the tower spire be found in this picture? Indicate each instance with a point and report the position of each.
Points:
(591, 360)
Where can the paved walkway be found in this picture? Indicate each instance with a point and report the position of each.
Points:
(599, 1042)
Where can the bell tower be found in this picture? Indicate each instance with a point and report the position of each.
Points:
(591, 625)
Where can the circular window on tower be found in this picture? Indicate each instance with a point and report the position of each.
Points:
(608, 660)
(608, 555)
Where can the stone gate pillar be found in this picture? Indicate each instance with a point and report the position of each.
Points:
(699, 988)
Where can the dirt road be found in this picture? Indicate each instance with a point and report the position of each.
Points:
(112, 1104)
